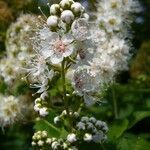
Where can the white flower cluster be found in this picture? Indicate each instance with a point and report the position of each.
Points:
(93, 52)
(10, 110)
(40, 106)
(40, 139)
(115, 15)
(17, 48)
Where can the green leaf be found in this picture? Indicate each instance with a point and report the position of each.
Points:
(131, 142)
(117, 129)
(138, 116)
(50, 128)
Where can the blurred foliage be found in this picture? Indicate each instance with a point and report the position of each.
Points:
(125, 106)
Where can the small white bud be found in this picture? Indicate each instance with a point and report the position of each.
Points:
(81, 126)
(87, 137)
(71, 138)
(56, 119)
(99, 123)
(76, 114)
(54, 145)
(33, 143)
(65, 4)
(86, 16)
(49, 141)
(52, 21)
(65, 146)
(55, 9)
(44, 134)
(40, 143)
(77, 8)
(64, 113)
(38, 137)
(38, 100)
(67, 16)
(43, 112)
(37, 107)
(93, 120)
(85, 119)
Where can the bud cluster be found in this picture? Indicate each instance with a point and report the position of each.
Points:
(92, 129)
(65, 12)
(41, 107)
(40, 139)
(63, 115)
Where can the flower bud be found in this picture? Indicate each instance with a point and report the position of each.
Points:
(37, 107)
(86, 16)
(56, 119)
(52, 21)
(71, 138)
(40, 143)
(38, 100)
(87, 137)
(49, 141)
(33, 143)
(65, 4)
(55, 9)
(77, 8)
(43, 112)
(67, 16)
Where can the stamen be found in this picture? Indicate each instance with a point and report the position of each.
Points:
(42, 12)
(48, 4)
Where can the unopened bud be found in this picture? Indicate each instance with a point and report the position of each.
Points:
(67, 16)
(55, 9)
(52, 21)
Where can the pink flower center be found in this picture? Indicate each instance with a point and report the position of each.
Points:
(60, 46)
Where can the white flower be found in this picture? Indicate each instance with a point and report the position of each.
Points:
(52, 21)
(59, 48)
(87, 137)
(67, 16)
(43, 112)
(10, 110)
(71, 138)
(80, 29)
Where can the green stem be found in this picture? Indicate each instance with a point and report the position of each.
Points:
(114, 103)
(64, 89)
(102, 145)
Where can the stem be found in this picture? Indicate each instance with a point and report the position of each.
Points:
(64, 88)
(102, 145)
(114, 103)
